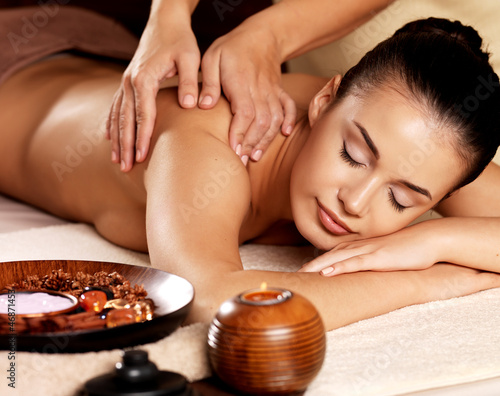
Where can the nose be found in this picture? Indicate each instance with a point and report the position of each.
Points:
(356, 195)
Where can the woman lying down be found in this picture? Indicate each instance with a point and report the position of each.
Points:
(346, 180)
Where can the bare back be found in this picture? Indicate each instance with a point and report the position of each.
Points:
(53, 147)
(56, 157)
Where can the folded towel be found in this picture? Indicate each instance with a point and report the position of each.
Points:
(414, 348)
(28, 34)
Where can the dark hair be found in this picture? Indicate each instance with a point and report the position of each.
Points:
(444, 68)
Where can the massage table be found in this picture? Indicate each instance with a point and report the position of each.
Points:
(441, 348)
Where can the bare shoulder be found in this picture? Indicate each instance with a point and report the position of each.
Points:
(479, 198)
(216, 121)
(173, 118)
(190, 151)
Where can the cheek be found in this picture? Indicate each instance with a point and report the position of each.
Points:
(383, 219)
(319, 164)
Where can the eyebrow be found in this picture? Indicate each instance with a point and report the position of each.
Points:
(368, 140)
(374, 150)
(418, 189)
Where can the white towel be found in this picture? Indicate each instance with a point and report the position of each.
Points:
(412, 349)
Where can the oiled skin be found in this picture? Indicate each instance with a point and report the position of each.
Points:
(54, 156)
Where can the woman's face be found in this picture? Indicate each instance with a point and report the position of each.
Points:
(369, 167)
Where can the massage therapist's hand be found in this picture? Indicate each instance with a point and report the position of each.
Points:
(246, 62)
(165, 49)
(408, 249)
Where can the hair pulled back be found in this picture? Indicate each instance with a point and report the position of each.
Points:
(444, 68)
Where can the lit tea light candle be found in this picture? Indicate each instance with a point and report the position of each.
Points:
(250, 342)
(265, 295)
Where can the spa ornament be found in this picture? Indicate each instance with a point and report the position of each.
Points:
(267, 341)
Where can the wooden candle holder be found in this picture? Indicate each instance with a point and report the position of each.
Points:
(269, 342)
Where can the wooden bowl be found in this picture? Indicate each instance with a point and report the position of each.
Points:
(267, 349)
(171, 294)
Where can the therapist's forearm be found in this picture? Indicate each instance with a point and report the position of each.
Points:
(165, 8)
(302, 25)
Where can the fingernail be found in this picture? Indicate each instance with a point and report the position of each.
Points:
(138, 155)
(123, 165)
(188, 100)
(206, 101)
(114, 157)
(326, 271)
(257, 155)
(289, 130)
(238, 150)
(244, 159)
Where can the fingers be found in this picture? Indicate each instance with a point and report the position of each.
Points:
(187, 66)
(112, 131)
(126, 129)
(121, 127)
(211, 84)
(290, 110)
(257, 121)
(350, 257)
(329, 259)
(282, 114)
(133, 110)
(264, 128)
(145, 110)
(353, 264)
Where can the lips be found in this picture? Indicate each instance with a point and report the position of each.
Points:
(331, 222)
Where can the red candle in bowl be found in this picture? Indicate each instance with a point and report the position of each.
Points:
(267, 342)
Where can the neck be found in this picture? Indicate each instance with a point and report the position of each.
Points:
(271, 175)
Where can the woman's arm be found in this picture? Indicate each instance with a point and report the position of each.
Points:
(471, 231)
(198, 196)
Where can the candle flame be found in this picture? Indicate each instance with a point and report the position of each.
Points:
(263, 286)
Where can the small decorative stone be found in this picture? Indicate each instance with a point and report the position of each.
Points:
(93, 300)
(120, 317)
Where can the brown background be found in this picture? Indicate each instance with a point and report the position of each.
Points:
(211, 19)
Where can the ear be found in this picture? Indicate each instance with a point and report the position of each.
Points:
(323, 98)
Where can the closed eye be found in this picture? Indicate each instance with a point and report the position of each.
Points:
(395, 204)
(347, 158)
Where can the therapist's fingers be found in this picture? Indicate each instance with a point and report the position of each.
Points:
(112, 131)
(145, 91)
(126, 126)
(290, 110)
(243, 110)
(211, 82)
(283, 115)
(265, 127)
(187, 68)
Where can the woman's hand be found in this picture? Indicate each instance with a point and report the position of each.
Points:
(412, 248)
(167, 47)
(247, 64)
